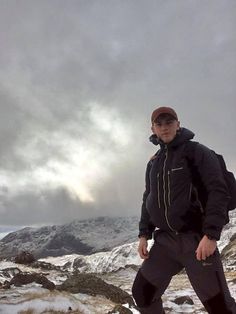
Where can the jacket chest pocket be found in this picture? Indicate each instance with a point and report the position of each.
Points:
(179, 181)
(179, 175)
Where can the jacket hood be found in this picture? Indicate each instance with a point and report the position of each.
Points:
(182, 136)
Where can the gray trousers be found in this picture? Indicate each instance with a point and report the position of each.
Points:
(167, 257)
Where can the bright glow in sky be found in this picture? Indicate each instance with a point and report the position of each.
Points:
(83, 166)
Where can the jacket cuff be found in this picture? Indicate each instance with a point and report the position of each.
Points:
(147, 235)
(213, 233)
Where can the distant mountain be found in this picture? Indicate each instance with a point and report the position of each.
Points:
(84, 237)
(79, 237)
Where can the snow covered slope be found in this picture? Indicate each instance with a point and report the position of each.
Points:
(81, 237)
(120, 257)
(124, 256)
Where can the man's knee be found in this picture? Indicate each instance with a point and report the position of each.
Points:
(143, 291)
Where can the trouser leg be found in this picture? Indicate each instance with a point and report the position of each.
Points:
(153, 278)
(208, 280)
(148, 295)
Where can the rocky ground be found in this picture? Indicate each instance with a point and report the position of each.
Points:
(95, 284)
(44, 288)
(179, 287)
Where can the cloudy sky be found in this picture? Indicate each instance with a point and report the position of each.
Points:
(78, 82)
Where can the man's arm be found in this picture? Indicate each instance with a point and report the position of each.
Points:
(211, 174)
(142, 248)
(215, 211)
(146, 227)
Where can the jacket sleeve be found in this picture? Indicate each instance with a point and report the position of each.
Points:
(146, 227)
(211, 175)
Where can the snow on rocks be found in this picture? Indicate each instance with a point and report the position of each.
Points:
(113, 260)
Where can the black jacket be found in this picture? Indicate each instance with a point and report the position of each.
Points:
(170, 200)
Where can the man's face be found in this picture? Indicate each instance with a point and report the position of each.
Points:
(165, 127)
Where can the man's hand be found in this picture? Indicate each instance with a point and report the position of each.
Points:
(205, 248)
(142, 248)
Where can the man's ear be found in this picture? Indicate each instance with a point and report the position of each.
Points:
(178, 125)
(152, 128)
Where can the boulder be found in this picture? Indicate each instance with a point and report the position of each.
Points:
(21, 279)
(92, 285)
(183, 300)
(24, 257)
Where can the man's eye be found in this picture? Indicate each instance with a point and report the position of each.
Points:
(167, 122)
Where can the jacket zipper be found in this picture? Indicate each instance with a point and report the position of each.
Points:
(158, 190)
(169, 187)
(164, 189)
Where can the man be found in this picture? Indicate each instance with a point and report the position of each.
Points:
(185, 234)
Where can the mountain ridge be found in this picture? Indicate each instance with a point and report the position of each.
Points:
(84, 237)
(79, 236)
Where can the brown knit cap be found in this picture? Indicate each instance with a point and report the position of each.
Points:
(156, 113)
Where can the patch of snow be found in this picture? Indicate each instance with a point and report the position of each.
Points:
(101, 262)
(228, 231)
(134, 311)
(41, 301)
(61, 260)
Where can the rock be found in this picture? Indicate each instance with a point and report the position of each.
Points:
(45, 265)
(24, 257)
(92, 285)
(233, 281)
(6, 285)
(229, 252)
(120, 309)
(183, 300)
(24, 279)
(79, 262)
(9, 272)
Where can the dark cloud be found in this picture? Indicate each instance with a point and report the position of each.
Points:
(43, 207)
(79, 81)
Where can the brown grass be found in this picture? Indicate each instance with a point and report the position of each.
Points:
(50, 311)
(29, 311)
